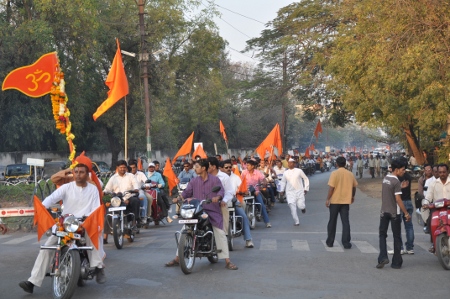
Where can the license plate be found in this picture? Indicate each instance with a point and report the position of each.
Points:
(188, 221)
(117, 209)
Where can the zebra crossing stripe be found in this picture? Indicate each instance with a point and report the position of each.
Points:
(300, 245)
(365, 247)
(268, 244)
(4, 236)
(20, 240)
(336, 247)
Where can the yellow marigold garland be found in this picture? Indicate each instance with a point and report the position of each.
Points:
(60, 110)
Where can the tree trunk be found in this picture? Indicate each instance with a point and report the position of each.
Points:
(414, 144)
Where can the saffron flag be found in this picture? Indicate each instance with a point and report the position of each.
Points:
(222, 131)
(185, 149)
(34, 80)
(42, 217)
(170, 175)
(318, 130)
(273, 139)
(139, 164)
(242, 190)
(236, 170)
(94, 224)
(307, 152)
(199, 152)
(117, 83)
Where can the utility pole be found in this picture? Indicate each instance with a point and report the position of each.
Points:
(144, 58)
(283, 103)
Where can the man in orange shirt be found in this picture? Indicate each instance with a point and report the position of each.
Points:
(341, 194)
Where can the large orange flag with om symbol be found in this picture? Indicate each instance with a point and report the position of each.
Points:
(34, 80)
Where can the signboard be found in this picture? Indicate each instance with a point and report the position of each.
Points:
(327, 149)
(35, 162)
(14, 212)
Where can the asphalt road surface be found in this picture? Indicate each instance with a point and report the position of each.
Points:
(287, 262)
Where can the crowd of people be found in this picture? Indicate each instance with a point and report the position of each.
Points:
(269, 179)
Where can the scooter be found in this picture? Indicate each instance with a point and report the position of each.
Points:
(157, 211)
(440, 231)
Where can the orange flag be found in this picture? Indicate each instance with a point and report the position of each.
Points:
(273, 139)
(117, 83)
(185, 149)
(94, 224)
(307, 152)
(34, 80)
(236, 170)
(42, 217)
(222, 131)
(312, 147)
(199, 152)
(242, 190)
(170, 175)
(139, 162)
(318, 130)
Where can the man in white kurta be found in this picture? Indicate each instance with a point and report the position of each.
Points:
(80, 199)
(296, 185)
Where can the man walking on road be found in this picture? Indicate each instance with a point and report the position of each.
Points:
(295, 189)
(391, 205)
(359, 167)
(341, 194)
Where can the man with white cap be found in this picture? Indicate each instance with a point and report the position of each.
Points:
(296, 189)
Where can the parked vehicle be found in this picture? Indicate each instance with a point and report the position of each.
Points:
(100, 167)
(70, 266)
(440, 231)
(22, 172)
(415, 171)
(52, 167)
(120, 221)
(196, 238)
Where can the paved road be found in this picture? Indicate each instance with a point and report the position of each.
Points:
(287, 262)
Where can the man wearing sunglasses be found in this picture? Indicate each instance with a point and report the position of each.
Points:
(187, 172)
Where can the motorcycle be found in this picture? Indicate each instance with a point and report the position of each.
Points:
(252, 208)
(120, 222)
(157, 212)
(70, 265)
(415, 171)
(235, 226)
(440, 231)
(196, 238)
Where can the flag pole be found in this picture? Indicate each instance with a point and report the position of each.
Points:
(126, 129)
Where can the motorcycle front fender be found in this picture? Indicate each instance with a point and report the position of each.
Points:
(442, 230)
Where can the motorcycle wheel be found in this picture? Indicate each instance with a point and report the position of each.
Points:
(443, 251)
(230, 238)
(69, 268)
(251, 218)
(117, 234)
(186, 253)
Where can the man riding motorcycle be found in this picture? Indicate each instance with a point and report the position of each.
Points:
(144, 198)
(154, 176)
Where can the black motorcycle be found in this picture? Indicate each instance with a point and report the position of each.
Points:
(196, 238)
(119, 222)
(235, 226)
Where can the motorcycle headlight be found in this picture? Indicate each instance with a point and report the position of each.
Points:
(187, 213)
(71, 224)
(439, 204)
(115, 201)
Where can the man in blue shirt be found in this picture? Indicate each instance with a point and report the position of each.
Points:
(187, 172)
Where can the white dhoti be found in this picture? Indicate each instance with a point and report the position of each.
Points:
(296, 199)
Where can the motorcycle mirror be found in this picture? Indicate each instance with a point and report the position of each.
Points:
(216, 189)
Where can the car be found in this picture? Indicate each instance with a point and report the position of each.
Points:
(100, 167)
(21, 172)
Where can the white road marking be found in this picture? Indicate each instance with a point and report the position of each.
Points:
(268, 244)
(336, 247)
(365, 247)
(301, 245)
(20, 240)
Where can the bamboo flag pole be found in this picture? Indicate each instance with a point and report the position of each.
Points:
(126, 129)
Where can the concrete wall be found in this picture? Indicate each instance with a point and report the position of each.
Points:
(7, 158)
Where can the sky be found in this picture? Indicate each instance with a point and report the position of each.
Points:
(237, 29)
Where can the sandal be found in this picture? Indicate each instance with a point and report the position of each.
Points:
(172, 263)
(231, 266)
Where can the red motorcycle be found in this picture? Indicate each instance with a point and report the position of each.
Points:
(158, 210)
(440, 230)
